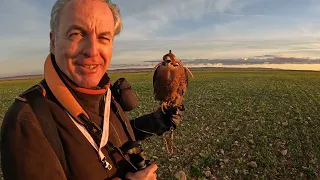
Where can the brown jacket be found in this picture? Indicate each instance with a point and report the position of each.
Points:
(26, 153)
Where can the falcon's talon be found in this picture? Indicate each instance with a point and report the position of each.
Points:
(164, 106)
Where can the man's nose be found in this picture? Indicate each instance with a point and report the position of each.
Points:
(90, 48)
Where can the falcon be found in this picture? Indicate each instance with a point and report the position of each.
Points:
(170, 82)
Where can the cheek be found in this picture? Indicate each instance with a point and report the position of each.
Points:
(70, 49)
(106, 54)
(67, 49)
(65, 52)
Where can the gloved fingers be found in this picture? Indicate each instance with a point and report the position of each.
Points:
(181, 108)
(171, 109)
(175, 114)
(176, 119)
(178, 112)
(175, 109)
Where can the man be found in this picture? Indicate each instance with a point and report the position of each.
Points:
(89, 136)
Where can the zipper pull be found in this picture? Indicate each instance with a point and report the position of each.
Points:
(106, 164)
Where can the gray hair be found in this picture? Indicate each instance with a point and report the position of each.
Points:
(58, 5)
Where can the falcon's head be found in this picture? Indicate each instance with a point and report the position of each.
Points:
(170, 59)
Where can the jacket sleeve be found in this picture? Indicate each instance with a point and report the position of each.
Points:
(26, 154)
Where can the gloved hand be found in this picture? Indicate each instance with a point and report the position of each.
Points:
(157, 122)
(175, 115)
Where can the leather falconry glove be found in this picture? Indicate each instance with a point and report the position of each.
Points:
(176, 114)
(157, 122)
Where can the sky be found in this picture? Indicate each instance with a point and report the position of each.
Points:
(203, 29)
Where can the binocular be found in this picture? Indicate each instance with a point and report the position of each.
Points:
(136, 154)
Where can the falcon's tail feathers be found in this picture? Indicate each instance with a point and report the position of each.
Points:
(180, 62)
(189, 71)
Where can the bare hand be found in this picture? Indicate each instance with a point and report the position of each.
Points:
(149, 173)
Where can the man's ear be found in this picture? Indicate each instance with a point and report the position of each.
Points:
(52, 42)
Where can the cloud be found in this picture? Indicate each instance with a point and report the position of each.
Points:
(239, 34)
(159, 16)
(24, 36)
(191, 28)
(23, 33)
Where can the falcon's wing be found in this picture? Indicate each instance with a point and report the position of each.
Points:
(155, 75)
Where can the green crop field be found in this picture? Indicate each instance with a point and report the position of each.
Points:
(237, 124)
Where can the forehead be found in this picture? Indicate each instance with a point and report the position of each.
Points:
(89, 14)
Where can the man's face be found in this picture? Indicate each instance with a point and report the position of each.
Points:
(82, 42)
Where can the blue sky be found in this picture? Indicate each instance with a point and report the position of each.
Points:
(191, 28)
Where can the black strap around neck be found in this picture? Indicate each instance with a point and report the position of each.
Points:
(43, 114)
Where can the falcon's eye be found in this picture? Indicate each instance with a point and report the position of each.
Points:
(168, 61)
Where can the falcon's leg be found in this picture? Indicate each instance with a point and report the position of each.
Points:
(178, 102)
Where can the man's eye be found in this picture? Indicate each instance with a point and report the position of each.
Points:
(105, 39)
(75, 34)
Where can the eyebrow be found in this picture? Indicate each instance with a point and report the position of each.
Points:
(76, 27)
(106, 33)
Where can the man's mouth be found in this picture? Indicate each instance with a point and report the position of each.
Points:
(90, 66)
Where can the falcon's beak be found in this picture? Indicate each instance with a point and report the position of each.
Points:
(167, 62)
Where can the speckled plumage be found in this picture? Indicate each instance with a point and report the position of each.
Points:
(170, 81)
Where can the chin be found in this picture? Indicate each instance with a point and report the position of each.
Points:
(88, 81)
(88, 85)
